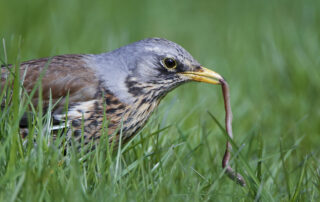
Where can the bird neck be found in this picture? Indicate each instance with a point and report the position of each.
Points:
(131, 117)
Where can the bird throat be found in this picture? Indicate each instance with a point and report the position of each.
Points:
(130, 118)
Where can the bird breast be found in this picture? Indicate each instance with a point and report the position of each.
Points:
(108, 114)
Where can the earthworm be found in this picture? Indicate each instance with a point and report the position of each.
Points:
(228, 121)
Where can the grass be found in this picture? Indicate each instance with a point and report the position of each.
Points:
(267, 50)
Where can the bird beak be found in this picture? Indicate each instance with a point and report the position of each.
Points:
(204, 75)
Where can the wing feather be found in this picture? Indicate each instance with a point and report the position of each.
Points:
(62, 75)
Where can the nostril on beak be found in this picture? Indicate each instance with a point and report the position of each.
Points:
(197, 68)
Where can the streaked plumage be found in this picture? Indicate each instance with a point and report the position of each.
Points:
(129, 82)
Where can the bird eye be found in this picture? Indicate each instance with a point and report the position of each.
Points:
(170, 63)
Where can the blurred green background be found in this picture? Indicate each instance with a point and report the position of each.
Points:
(269, 52)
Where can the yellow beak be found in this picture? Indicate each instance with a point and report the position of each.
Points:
(204, 75)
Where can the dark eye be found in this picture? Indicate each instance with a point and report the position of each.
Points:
(170, 63)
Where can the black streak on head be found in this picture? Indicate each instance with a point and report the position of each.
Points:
(133, 87)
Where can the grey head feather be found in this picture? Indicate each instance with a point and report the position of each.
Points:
(140, 60)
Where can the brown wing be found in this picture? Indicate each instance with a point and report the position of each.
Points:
(62, 75)
(70, 74)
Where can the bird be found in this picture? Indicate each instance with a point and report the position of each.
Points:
(124, 86)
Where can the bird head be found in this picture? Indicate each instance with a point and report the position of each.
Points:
(153, 67)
